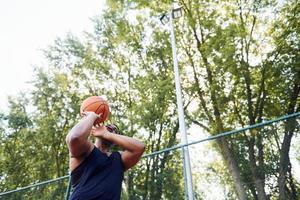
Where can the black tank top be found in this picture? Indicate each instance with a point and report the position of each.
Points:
(98, 177)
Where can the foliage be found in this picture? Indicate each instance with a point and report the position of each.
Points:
(239, 64)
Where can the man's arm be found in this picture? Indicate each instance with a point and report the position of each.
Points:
(77, 138)
(133, 148)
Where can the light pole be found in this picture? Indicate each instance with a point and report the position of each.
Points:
(188, 182)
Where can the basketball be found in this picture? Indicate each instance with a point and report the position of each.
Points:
(96, 104)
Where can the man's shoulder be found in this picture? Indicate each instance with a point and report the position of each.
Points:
(76, 161)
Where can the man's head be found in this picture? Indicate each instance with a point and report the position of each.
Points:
(113, 129)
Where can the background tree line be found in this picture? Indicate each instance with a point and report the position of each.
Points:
(240, 65)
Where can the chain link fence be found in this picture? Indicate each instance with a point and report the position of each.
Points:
(159, 175)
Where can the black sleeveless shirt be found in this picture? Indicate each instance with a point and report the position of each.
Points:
(98, 177)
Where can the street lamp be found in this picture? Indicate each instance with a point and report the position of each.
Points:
(164, 19)
(168, 17)
(177, 12)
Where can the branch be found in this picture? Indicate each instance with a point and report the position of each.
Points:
(198, 123)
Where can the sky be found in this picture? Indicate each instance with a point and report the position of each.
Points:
(27, 27)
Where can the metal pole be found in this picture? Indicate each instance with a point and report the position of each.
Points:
(185, 150)
(67, 196)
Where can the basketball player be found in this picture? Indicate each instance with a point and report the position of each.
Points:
(96, 172)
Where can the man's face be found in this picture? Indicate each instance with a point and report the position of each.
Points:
(113, 128)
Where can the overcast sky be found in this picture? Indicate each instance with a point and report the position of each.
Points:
(28, 26)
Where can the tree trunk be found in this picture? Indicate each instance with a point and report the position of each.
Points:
(285, 160)
(227, 153)
(290, 126)
(253, 191)
(223, 144)
(233, 168)
(292, 184)
(258, 180)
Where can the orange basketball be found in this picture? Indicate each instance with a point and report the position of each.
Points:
(96, 104)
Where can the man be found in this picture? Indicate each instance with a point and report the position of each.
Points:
(97, 173)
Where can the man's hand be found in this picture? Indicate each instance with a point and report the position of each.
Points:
(88, 113)
(133, 149)
(99, 131)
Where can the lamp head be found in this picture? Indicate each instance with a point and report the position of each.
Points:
(177, 12)
(164, 19)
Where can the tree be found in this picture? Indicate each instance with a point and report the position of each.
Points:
(286, 60)
(232, 57)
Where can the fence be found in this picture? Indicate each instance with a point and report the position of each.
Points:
(159, 175)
